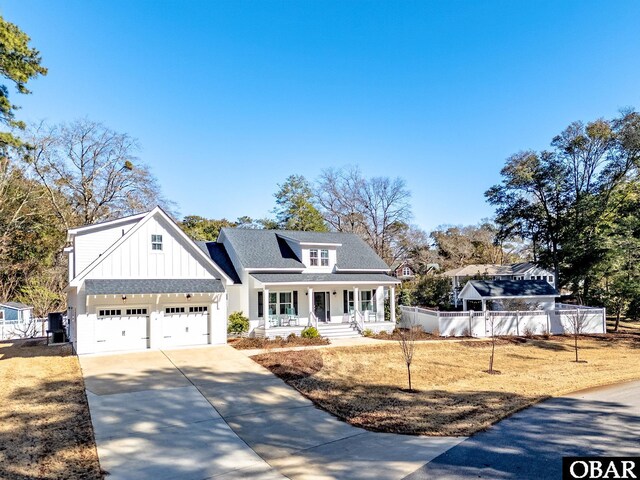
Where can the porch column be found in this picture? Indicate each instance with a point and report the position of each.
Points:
(380, 304)
(464, 304)
(484, 305)
(310, 295)
(392, 304)
(356, 301)
(265, 308)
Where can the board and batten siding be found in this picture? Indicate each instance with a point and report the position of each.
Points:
(134, 258)
(90, 245)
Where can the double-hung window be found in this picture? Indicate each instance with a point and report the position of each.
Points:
(324, 258)
(366, 300)
(286, 302)
(406, 272)
(313, 257)
(156, 242)
(273, 303)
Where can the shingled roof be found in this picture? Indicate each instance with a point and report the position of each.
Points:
(270, 249)
(512, 288)
(139, 286)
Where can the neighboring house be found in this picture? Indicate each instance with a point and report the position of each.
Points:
(15, 320)
(403, 271)
(515, 271)
(140, 282)
(535, 294)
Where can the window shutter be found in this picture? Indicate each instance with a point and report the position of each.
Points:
(260, 304)
(345, 300)
(295, 302)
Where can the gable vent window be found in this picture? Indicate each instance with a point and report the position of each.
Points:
(156, 242)
(313, 256)
(324, 258)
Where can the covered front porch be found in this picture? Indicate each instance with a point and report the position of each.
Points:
(337, 308)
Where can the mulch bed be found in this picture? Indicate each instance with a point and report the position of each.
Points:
(263, 343)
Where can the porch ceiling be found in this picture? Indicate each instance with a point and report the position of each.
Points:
(324, 278)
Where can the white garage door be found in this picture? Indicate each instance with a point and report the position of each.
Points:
(120, 328)
(187, 325)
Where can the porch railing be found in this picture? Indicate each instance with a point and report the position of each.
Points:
(358, 320)
(313, 320)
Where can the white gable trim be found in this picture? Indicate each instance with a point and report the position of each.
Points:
(109, 223)
(198, 252)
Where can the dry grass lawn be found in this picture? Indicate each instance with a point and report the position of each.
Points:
(363, 385)
(45, 428)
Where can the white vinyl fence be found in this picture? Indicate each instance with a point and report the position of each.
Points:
(15, 329)
(562, 320)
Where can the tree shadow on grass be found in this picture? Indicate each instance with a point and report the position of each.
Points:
(45, 430)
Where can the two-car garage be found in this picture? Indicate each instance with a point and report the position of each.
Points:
(120, 329)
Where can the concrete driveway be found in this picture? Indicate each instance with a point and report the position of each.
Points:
(531, 443)
(212, 412)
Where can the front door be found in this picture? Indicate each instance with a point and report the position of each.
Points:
(321, 306)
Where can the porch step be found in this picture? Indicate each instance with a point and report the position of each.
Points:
(337, 330)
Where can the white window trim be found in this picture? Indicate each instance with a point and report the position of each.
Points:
(313, 258)
(278, 303)
(155, 242)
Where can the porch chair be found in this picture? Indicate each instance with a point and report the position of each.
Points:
(274, 321)
(293, 317)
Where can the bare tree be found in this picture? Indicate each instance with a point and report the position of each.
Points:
(407, 342)
(91, 172)
(575, 323)
(492, 321)
(377, 208)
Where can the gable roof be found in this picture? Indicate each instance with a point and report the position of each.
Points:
(511, 288)
(257, 249)
(164, 285)
(172, 225)
(15, 306)
(219, 255)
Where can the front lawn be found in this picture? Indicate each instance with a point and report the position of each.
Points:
(363, 385)
(45, 427)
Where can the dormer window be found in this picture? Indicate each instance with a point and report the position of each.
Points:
(156, 242)
(318, 257)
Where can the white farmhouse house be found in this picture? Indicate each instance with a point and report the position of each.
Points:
(140, 282)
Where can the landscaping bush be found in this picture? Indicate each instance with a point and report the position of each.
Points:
(367, 332)
(237, 323)
(291, 336)
(310, 332)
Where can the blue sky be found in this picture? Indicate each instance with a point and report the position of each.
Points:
(229, 98)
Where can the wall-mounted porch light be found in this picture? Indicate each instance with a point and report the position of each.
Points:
(124, 299)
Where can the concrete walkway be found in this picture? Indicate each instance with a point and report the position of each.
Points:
(140, 402)
(531, 443)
